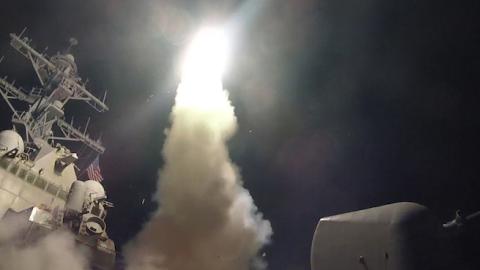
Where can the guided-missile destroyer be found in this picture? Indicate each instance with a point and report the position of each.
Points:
(38, 174)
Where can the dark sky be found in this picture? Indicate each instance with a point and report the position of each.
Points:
(342, 104)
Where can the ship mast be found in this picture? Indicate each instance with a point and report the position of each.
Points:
(59, 84)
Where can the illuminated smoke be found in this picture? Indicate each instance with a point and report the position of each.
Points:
(207, 220)
(56, 251)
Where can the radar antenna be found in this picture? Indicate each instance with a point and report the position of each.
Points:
(59, 84)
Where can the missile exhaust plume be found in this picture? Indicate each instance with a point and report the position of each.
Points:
(55, 251)
(206, 219)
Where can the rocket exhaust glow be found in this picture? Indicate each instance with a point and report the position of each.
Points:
(206, 56)
(206, 219)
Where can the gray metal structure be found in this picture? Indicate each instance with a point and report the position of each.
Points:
(59, 84)
(38, 176)
(399, 236)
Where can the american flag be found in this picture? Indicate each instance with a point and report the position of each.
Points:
(93, 171)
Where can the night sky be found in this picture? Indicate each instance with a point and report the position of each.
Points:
(342, 104)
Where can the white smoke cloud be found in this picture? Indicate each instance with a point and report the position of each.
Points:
(206, 220)
(55, 251)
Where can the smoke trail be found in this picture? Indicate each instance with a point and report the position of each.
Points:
(56, 251)
(206, 219)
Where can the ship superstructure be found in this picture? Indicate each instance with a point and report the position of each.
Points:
(38, 175)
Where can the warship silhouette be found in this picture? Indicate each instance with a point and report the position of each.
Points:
(38, 173)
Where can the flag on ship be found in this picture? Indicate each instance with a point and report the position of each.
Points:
(93, 171)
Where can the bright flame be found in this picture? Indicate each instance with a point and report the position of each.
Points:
(207, 220)
(203, 68)
(206, 56)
